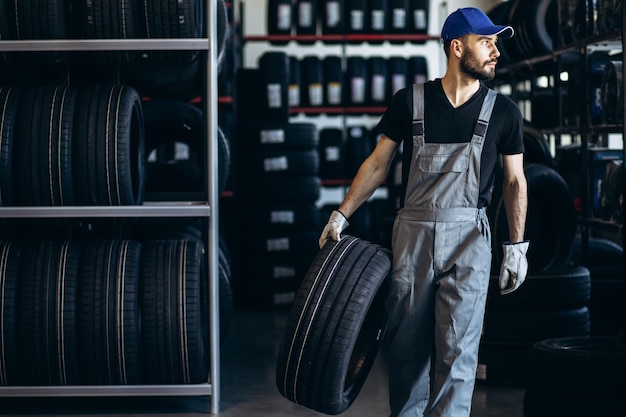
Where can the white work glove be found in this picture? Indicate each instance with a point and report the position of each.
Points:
(514, 266)
(336, 224)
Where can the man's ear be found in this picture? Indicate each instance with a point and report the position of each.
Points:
(456, 47)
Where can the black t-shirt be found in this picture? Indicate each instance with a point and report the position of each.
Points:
(445, 124)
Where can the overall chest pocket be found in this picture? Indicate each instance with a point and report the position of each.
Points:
(441, 164)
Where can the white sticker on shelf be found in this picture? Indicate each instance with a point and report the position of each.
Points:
(279, 163)
(419, 18)
(333, 14)
(316, 94)
(282, 217)
(398, 81)
(282, 272)
(272, 136)
(378, 87)
(398, 19)
(294, 95)
(305, 13)
(274, 96)
(284, 17)
(278, 244)
(419, 78)
(333, 93)
(284, 298)
(357, 20)
(358, 89)
(332, 153)
(378, 19)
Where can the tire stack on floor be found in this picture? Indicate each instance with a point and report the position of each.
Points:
(279, 185)
(553, 301)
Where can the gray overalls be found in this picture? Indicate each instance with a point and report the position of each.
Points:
(441, 265)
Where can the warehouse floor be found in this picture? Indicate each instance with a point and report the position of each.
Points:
(248, 387)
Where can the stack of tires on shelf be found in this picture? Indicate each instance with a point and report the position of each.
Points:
(102, 301)
(561, 334)
(278, 185)
(341, 17)
(372, 81)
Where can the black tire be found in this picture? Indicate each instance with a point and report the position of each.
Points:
(47, 320)
(283, 163)
(168, 122)
(283, 217)
(274, 67)
(357, 87)
(612, 93)
(568, 288)
(331, 154)
(295, 243)
(272, 136)
(312, 87)
(9, 99)
(536, 147)
(107, 19)
(172, 19)
(43, 146)
(41, 19)
(109, 325)
(335, 326)
(522, 326)
(109, 148)
(292, 190)
(587, 373)
(9, 349)
(280, 19)
(333, 81)
(180, 79)
(174, 313)
(550, 224)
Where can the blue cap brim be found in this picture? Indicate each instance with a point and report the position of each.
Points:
(504, 32)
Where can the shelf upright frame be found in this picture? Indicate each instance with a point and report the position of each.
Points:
(201, 209)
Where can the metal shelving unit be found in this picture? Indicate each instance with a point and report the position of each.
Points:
(208, 209)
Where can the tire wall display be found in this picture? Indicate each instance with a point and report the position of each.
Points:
(71, 300)
(280, 164)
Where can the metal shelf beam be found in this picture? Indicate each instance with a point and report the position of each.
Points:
(179, 44)
(106, 390)
(199, 209)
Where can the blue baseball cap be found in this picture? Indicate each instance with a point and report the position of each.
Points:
(471, 20)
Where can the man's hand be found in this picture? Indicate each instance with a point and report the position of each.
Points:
(514, 266)
(336, 224)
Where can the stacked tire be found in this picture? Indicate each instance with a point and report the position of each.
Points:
(65, 146)
(280, 187)
(103, 312)
(576, 377)
(553, 301)
(176, 148)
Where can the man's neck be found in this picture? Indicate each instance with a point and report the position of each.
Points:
(459, 89)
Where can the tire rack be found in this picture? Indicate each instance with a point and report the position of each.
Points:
(207, 208)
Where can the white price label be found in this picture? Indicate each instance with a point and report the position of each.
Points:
(272, 136)
(274, 96)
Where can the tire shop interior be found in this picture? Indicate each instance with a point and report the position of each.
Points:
(215, 137)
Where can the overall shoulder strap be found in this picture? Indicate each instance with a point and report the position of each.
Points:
(418, 109)
(480, 130)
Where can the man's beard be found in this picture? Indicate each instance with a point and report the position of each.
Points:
(473, 68)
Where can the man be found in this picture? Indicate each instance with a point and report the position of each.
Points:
(453, 130)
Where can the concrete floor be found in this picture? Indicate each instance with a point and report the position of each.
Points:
(248, 387)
